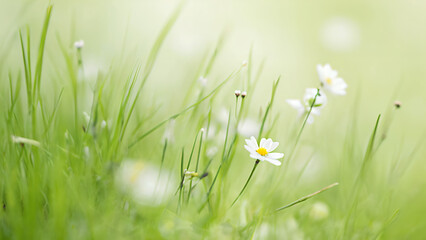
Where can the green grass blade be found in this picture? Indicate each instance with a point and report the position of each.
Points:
(306, 197)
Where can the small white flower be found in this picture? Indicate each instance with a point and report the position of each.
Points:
(245, 63)
(79, 44)
(304, 107)
(211, 152)
(264, 151)
(237, 93)
(203, 81)
(330, 81)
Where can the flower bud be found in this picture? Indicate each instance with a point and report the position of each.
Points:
(237, 93)
(79, 44)
(244, 94)
(397, 104)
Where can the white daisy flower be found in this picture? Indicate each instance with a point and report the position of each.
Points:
(264, 151)
(330, 81)
(304, 107)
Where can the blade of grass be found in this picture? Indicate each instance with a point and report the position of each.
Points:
(268, 108)
(306, 197)
(39, 65)
(196, 165)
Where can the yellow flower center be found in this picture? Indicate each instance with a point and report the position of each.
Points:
(262, 151)
(328, 80)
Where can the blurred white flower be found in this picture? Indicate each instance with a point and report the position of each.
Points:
(86, 151)
(248, 127)
(304, 107)
(79, 44)
(330, 81)
(263, 231)
(203, 81)
(144, 182)
(222, 116)
(103, 124)
(211, 151)
(292, 230)
(264, 151)
(319, 211)
(340, 34)
(237, 93)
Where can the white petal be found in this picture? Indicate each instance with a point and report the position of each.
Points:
(252, 143)
(256, 156)
(310, 119)
(273, 161)
(310, 93)
(267, 144)
(248, 148)
(296, 104)
(273, 146)
(340, 82)
(320, 71)
(262, 143)
(321, 99)
(275, 155)
(316, 111)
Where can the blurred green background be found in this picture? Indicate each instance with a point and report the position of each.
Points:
(378, 47)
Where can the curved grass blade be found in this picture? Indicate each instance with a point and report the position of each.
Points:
(306, 197)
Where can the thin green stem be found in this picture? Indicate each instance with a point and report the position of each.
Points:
(248, 180)
(303, 126)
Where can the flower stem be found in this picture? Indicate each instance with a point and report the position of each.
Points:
(303, 125)
(248, 180)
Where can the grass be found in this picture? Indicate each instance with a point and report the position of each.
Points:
(121, 170)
